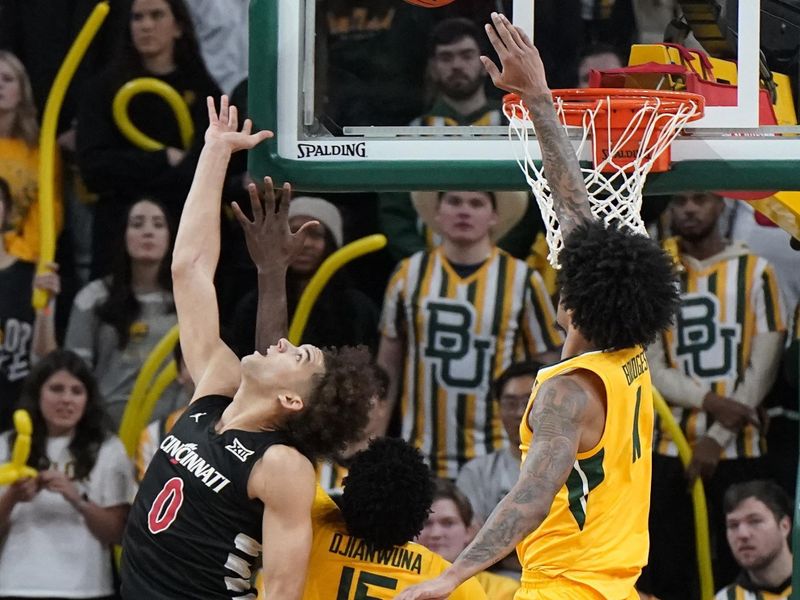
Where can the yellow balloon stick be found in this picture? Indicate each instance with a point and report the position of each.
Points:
(333, 263)
(151, 364)
(702, 543)
(151, 85)
(47, 143)
(17, 468)
(145, 406)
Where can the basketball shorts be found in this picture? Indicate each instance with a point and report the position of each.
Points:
(562, 589)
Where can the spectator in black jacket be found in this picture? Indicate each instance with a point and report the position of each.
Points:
(159, 43)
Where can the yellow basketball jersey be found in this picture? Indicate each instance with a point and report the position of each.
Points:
(342, 567)
(497, 587)
(596, 531)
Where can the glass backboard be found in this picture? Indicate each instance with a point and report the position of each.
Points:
(342, 101)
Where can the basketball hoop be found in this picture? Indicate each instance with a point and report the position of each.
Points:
(630, 130)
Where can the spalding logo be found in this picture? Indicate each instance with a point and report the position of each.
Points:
(351, 150)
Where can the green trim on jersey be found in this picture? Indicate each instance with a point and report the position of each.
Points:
(586, 475)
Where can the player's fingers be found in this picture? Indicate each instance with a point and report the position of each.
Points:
(255, 203)
(526, 41)
(269, 196)
(240, 216)
(496, 42)
(265, 134)
(286, 198)
(513, 32)
(212, 110)
(259, 136)
(491, 68)
(223, 109)
(306, 228)
(233, 117)
(504, 30)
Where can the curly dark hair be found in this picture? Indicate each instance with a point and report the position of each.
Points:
(339, 405)
(620, 286)
(89, 432)
(388, 493)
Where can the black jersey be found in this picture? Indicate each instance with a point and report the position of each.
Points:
(193, 532)
(16, 334)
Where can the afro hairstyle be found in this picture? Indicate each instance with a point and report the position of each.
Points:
(620, 286)
(388, 493)
(338, 408)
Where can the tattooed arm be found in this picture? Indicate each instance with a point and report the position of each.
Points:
(523, 74)
(556, 419)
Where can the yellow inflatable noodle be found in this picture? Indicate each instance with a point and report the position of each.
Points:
(155, 86)
(22, 444)
(139, 419)
(47, 143)
(130, 418)
(702, 541)
(22, 422)
(17, 469)
(333, 263)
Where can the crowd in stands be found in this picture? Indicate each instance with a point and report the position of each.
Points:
(459, 311)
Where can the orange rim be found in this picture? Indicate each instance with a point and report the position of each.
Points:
(575, 102)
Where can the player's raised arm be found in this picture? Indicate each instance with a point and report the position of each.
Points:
(271, 246)
(523, 74)
(557, 419)
(196, 253)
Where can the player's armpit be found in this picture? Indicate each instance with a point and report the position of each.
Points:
(221, 374)
(284, 481)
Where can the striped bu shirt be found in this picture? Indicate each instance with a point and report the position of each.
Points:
(725, 302)
(459, 334)
(744, 589)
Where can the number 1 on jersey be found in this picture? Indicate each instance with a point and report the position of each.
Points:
(637, 441)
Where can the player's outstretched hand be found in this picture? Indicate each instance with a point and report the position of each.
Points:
(435, 589)
(224, 127)
(270, 242)
(522, 69)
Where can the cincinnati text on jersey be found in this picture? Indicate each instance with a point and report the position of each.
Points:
(398, 557)
(185, 455)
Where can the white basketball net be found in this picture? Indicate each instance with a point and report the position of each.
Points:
(615, 196)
